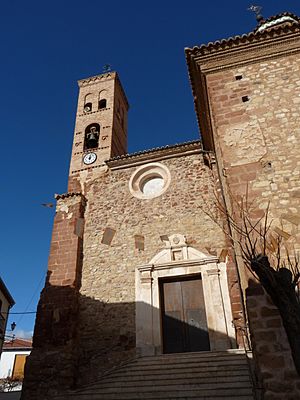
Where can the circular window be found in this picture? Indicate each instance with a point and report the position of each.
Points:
(149, 181)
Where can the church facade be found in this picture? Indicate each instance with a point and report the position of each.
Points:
(137, 265)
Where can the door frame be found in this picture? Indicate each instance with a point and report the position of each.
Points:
(161, 282)
(178, 260)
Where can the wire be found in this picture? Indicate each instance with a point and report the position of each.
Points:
(30, 301)
(25, 312)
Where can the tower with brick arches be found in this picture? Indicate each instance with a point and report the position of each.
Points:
(100, 127)
(133, 228)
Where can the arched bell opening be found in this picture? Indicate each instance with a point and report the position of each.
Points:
(102, 104)
(88, 107)
(91, 137)
(88, 103)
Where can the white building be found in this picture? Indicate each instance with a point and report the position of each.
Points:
(6, 302)
(13, 358)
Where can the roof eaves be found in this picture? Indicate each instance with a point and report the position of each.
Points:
(155, 149)
(275, 17)
(66, 195)
(6, 293)
(239, 40)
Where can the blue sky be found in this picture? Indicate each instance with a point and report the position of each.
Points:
(45, 48)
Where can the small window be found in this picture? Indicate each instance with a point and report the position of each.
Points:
(102, 104)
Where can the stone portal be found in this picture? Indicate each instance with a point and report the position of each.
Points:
(202, 317)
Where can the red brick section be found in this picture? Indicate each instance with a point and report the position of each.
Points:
(74, 183)
(53, 359)
(234, 287)
(224, 98)
(243, 169)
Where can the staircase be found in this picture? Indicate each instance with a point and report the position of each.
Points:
(202, 376)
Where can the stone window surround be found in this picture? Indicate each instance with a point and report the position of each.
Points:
(216, 296)
(143, 174)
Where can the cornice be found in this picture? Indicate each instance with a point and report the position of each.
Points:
(243, 40)
(178, 264)
(157, 154)
(67, 195)
(249, 53)
(97, 78)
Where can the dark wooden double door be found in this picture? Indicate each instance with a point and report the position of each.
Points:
(184, 323)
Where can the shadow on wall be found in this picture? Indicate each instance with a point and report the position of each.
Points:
(270, 344)
(10, 395)
(78, 338)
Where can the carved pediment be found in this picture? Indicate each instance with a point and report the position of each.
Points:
(176, 250)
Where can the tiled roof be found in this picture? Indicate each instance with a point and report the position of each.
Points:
(285, 15)
(257, 35)
(17, 344)
(191, 144)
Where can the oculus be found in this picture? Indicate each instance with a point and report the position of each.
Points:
(149, 181)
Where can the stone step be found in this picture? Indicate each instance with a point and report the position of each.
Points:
(203, 354)
(210, 376)
(126, 376)
(200, 360)
(186, 393)
(172, 386)
(123, 384)
(209, 366)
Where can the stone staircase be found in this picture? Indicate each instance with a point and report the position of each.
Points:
(203, 376)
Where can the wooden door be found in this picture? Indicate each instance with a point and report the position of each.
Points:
(184, 322)
(19, 364)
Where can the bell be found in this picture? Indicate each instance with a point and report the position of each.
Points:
(92, 138)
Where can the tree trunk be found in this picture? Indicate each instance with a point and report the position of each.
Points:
(280, 287)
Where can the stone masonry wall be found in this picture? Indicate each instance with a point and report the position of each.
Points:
(271, 346)
(107, 301)
(255, 116)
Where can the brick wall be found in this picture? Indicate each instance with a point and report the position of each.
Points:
(255, 120)
(52, 362)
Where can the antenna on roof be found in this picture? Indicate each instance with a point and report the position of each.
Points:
(256, 10)
(106, 68)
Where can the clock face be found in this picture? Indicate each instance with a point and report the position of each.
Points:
(89, 158)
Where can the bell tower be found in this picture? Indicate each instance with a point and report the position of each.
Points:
(100, 127)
